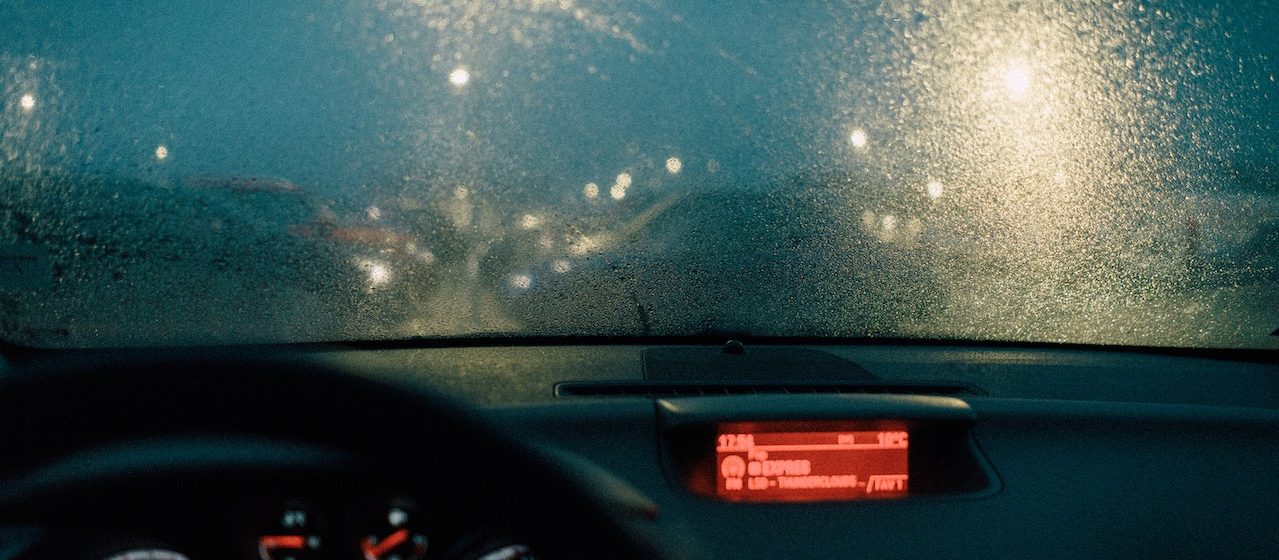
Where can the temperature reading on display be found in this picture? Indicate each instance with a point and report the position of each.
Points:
(811, 466)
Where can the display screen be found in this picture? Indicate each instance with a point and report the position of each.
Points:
(801, 466)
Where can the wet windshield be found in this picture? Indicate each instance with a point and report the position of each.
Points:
(193, 173)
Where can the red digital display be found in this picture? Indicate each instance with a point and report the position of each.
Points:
(793, 466)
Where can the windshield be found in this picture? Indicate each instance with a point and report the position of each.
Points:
(197, 173)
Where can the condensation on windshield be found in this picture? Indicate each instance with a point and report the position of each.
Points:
(1097, 172)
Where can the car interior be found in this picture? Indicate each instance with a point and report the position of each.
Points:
(500, 280)
(505, 450)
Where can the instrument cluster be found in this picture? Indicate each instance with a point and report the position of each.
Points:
(395, 528)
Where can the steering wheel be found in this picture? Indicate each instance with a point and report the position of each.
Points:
(89, 424)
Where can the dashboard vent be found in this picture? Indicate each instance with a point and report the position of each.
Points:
(694, 389)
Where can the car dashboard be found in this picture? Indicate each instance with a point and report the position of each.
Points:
(757, 450)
